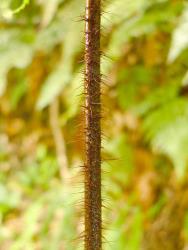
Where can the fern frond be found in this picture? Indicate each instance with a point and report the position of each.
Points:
(166, 130)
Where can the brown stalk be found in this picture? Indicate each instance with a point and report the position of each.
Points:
(58, 139)
(93, 127)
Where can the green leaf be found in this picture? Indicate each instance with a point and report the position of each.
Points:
(166, 130)
(22, 6)
(17, 93)
(63, 73)
(179, 37)
(11, 47)
(173, 142)
(159, 96)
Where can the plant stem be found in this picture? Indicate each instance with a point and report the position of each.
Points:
(93, 127)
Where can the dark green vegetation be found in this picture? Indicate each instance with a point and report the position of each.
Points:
(145, 125)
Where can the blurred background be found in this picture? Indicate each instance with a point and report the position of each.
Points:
(145, 124)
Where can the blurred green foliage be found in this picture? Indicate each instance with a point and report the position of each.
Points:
(145, 110)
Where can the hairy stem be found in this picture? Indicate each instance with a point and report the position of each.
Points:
(93, 127)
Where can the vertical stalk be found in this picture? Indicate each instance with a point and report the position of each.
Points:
(93, 127)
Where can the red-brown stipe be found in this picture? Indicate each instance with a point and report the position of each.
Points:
(93, 127)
